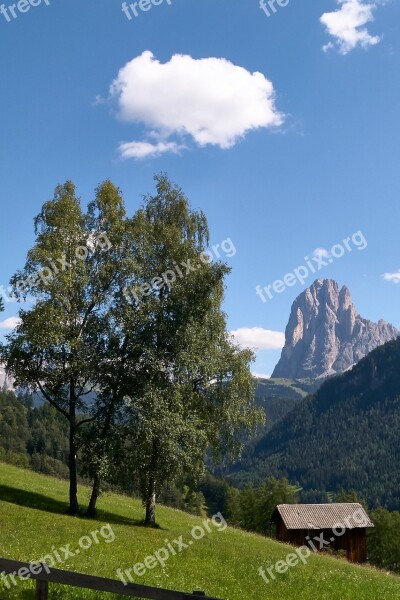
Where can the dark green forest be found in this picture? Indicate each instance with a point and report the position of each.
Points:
(35, 437)
(345, 435)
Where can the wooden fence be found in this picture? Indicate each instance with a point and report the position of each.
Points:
(90, 582)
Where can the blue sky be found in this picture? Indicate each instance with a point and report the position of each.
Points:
(287, 138)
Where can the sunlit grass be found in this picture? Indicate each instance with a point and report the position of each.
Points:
(224, 563)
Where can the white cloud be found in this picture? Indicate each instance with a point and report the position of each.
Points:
(257, 338)
(147, 149)
(346, 25)
(261, 376)
(321, 253)
(9, 323)
(210, 100)
(393, 277)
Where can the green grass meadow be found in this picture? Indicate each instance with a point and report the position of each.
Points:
(223, 563)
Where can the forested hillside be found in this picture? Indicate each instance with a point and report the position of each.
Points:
(346, 435)
(32, 436)
(278, 396)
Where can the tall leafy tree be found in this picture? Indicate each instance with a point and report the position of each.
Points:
(191, 387)
(72, 274)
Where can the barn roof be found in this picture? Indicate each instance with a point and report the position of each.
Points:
(323, 516)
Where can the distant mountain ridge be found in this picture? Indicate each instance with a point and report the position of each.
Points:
(325, 334)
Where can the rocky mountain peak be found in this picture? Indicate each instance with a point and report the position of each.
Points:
(325, 334)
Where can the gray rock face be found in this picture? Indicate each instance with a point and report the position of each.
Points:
(4, 379)
(325, 335)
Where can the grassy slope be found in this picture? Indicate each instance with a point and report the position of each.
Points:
(286, 388)
(279, 396)
(224, 564)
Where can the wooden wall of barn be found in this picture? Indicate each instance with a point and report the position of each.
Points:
(353, 542)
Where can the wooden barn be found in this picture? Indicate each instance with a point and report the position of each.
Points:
(343, 526)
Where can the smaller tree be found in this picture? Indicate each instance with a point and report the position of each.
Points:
(347, 496)
(72, 273)
(270, 495)
(252, 507)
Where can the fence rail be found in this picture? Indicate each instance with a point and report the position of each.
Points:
(90, 582)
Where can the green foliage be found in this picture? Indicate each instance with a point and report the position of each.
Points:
(146, 386)
(32, 436)
(183, 497)
(347, 496)
(14, 426)
(216, 492)
(14, 458)
(384, 540)
(191, 387)
(72, 272)
(252, 508)
(48, 433)
(48, 465)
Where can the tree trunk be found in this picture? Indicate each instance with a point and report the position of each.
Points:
(73, 478)
(150, 519)
(150, 497)
(91, 511)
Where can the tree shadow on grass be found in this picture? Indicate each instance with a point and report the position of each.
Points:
(50, 505)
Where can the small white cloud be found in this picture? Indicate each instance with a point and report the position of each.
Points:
(320, 253)
(210, 100)
(261, 376)
(393, 277)
(98, 100)
(147, 149)
(257, 338)
(346, 25)
(10, 323)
